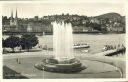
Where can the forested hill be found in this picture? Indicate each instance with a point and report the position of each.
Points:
(110, 16)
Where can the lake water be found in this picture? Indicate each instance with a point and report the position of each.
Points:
(96, 41)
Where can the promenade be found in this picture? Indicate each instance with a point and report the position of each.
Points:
(95, 59)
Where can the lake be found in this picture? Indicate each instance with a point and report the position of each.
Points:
(96, 41)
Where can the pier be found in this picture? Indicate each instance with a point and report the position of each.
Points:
(111, 52)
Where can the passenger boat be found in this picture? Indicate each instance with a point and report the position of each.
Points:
(77, 46)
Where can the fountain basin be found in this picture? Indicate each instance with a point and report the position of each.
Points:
(65, 66)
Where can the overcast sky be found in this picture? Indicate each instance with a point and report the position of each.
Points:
(42, 9)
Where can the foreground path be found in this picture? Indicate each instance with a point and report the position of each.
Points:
(119, 63)
(95, 69)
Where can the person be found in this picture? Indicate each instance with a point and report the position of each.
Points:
(18, 61)
(20, 48)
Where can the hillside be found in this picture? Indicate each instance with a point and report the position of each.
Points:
(110, 16)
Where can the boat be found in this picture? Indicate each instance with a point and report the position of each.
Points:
(77, 46)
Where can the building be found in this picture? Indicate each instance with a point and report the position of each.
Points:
(13, 27)
(14, 21)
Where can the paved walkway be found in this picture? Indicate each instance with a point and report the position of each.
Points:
(116, 61)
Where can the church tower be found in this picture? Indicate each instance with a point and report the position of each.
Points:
(11, 19)
(16, 19)
(14, 22)
(12, 15)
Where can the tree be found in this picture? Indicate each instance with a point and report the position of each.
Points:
(28, 41)
(11, 42)
(96, 26)
(3, 44)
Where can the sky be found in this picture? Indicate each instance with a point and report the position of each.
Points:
(29, 10)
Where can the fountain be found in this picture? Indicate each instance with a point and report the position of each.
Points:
(64, 60)
(62, 41)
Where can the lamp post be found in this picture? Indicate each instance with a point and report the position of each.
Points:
(43, 72)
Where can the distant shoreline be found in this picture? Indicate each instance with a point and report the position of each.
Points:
(50, 33)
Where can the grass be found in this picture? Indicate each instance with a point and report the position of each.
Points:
(11, 74)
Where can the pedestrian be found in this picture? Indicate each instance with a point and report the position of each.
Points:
(18, 61)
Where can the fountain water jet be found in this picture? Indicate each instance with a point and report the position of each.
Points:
(62, 41)
(64, 60)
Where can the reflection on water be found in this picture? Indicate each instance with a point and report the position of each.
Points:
(96, 42)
